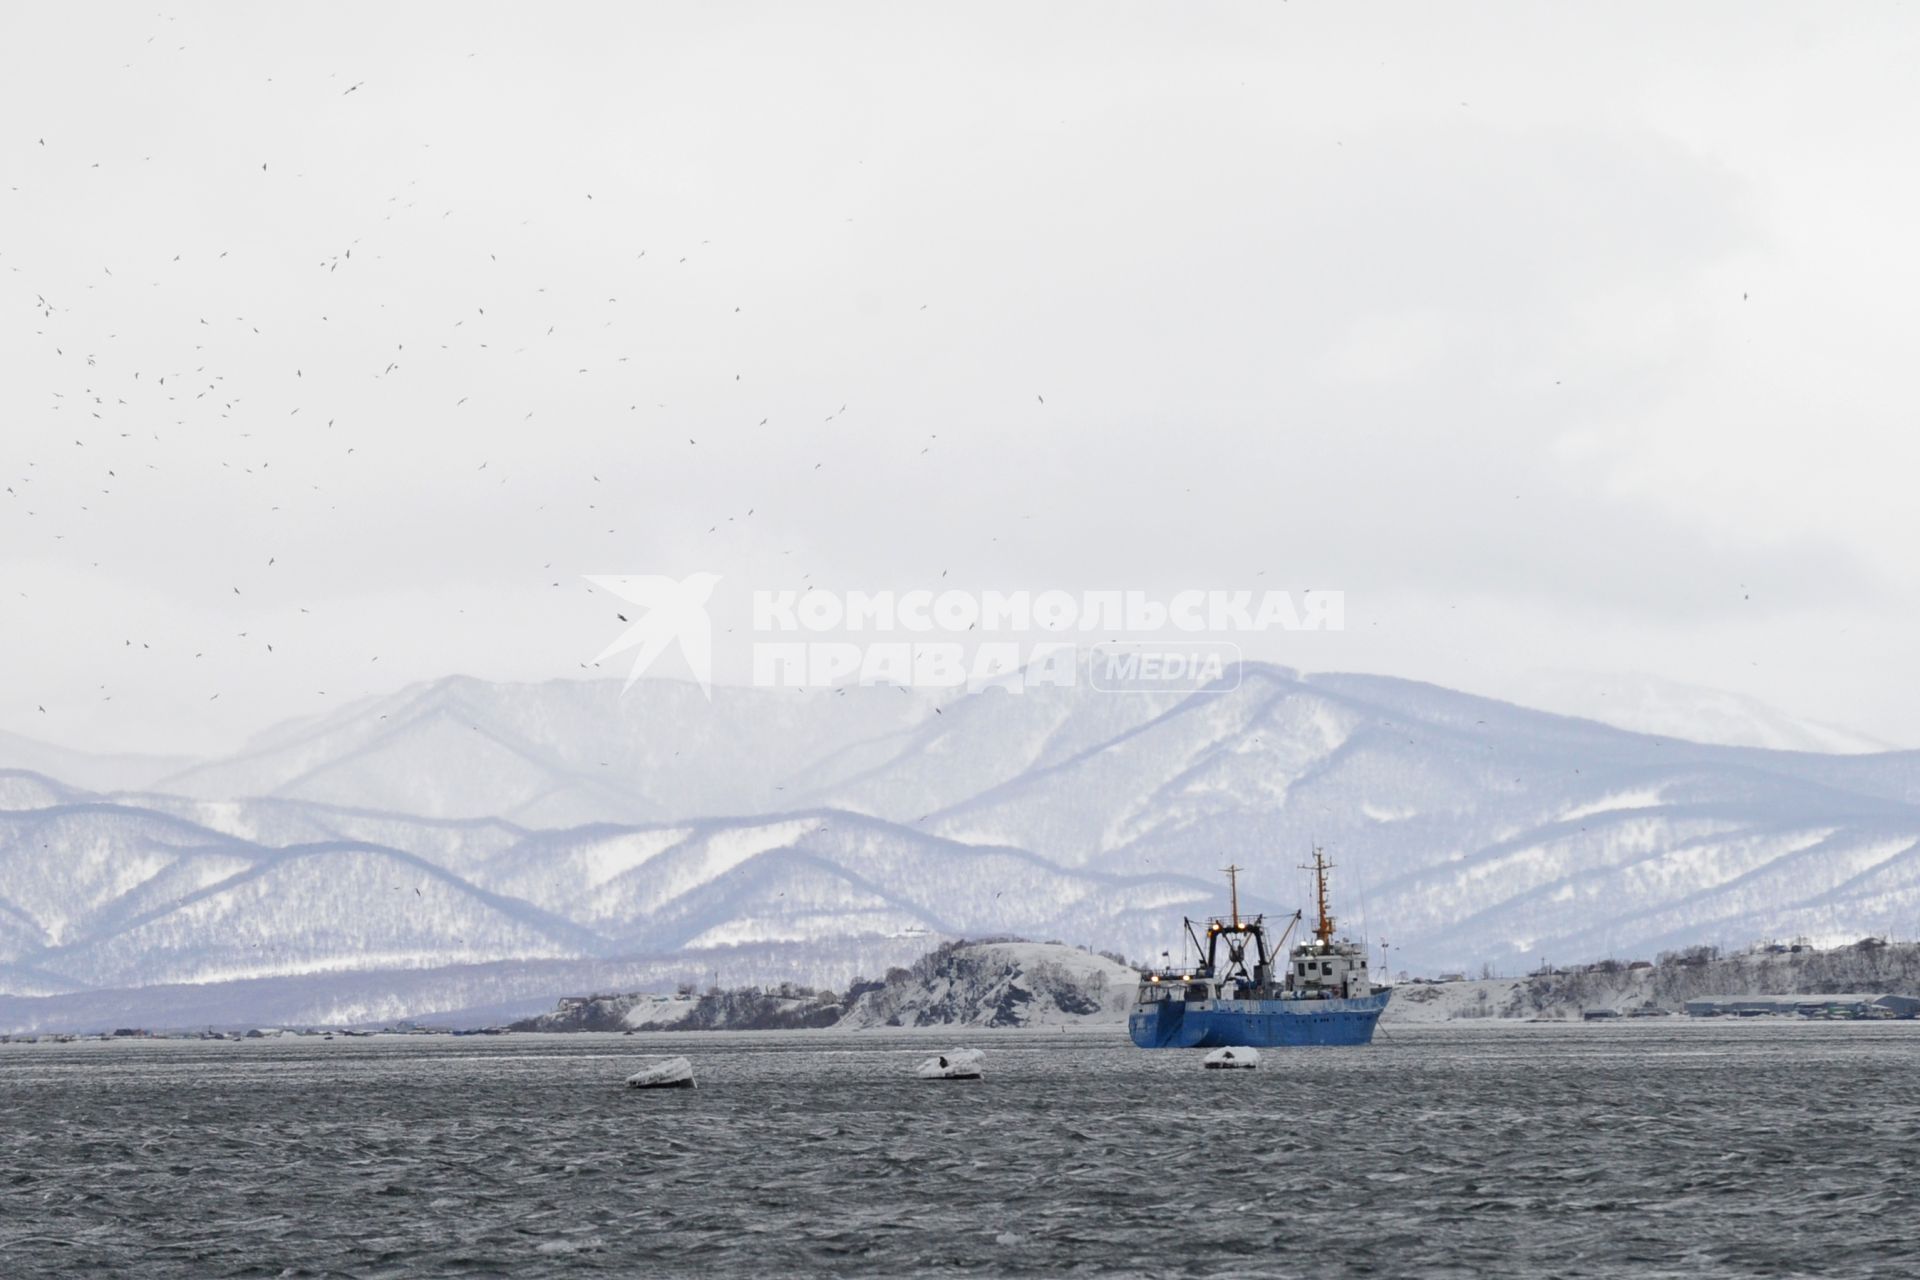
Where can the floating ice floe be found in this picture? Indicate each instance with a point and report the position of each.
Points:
(1238, 1057)
(958, 1064)
(668, 1073)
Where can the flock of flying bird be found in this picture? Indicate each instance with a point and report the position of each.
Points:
(241, 397)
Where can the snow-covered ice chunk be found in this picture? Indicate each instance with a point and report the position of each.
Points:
(1234, 1057)
(668, 1073)
(957, 1064)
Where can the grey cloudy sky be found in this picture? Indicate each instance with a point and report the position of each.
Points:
(1567, 337)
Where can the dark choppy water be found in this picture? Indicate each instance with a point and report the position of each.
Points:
(1663, 1149)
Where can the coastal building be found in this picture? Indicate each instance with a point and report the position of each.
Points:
(1845, 1006)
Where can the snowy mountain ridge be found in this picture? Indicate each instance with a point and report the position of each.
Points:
(462, 825)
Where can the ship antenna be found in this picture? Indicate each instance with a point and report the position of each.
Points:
(1323, 926)
(1233, 890)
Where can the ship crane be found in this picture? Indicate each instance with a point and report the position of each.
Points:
(1235, 932)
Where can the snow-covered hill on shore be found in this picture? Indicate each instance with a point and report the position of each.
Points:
(1869, 965)
(961, 984)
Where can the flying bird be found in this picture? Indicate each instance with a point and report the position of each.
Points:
(675, 614)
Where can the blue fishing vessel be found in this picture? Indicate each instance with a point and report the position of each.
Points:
(1238, 991)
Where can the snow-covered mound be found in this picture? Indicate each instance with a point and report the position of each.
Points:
(1422, 1002)
(1232, 1058)
(984, 984)
(999, 984)
(669, 1073)
(955, 1064)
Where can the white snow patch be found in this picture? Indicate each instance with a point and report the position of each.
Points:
(726, 849)
(612, 858)
(1645, 798)
(658, 1010)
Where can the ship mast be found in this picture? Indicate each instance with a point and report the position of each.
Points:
(1323, 924)
(1233, 890)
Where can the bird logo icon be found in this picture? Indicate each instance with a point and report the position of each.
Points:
(675, 612)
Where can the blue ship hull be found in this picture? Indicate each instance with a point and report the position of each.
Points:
(1214, 1024)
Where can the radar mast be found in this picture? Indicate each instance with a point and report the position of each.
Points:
(1323, 922)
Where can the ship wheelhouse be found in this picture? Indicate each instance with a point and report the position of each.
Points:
(1330, 970)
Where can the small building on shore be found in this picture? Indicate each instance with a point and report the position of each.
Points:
(1841, 1006)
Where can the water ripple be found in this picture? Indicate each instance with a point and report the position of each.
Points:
(1651, 1151)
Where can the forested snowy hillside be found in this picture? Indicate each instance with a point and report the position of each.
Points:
(469, 827)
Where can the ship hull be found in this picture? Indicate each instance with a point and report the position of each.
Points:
(1213, 1024)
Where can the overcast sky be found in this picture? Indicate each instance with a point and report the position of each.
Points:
(1557, 337)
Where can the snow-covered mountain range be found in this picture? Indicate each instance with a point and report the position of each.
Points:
(465, 844)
